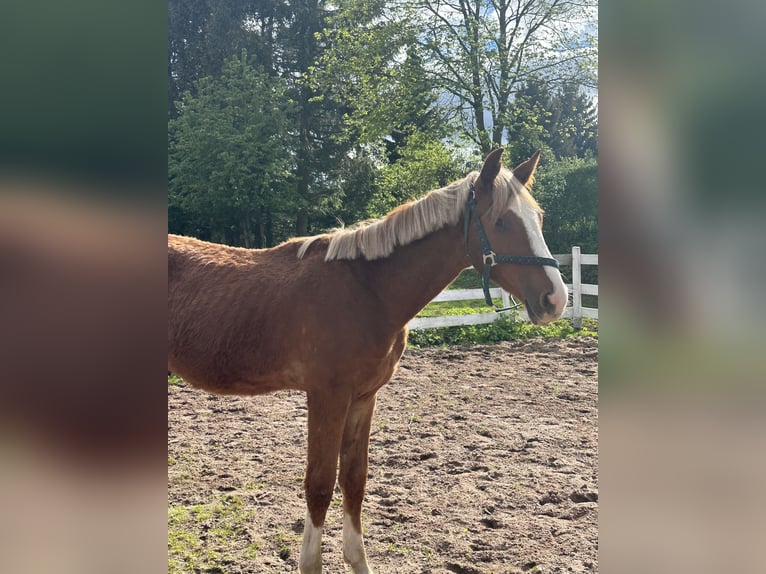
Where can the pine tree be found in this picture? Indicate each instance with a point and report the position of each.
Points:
(574, 124)
(229, 163)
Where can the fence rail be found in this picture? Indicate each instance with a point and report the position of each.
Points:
(575, 311)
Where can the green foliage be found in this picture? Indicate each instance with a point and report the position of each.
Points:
(424, 164)
(362, 70)
(202, 535)
(357, 181)
(204, 34)
(174, 380)
(560, 122)
(508, 327)
(369, 70)
(443, 308)
(529, 121)
(568, 192)
(574, 123)
(228, 159)
(468, 279)
(482, 54)
(292, 117)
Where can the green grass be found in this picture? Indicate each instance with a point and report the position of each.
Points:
(224, 521)
(283, 542)
(174, 380)
(508, 327)
(455, 308)
(468, 279)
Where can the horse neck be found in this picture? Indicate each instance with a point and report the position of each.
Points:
(414, 274)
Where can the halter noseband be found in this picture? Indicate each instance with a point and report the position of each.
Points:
(489, 257)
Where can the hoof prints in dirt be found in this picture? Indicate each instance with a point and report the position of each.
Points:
(459, 569)
(482, 459)
(584, 497)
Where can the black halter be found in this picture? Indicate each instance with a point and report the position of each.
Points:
(490, 258)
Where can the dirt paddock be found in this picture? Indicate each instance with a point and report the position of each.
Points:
(483, 460)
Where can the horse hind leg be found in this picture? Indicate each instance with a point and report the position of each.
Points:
(326, 418)
(353, 478)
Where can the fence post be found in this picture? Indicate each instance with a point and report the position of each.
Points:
(576, 288)
(505, 298)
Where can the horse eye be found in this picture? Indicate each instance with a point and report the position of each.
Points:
(499, 224)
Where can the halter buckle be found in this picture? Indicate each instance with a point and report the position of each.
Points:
(489, 259)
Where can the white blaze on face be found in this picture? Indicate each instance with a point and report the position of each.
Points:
(311, 551)
(531, 221)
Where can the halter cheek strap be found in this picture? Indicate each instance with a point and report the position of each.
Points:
(490, 258)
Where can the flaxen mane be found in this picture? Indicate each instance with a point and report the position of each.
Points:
(407, 223)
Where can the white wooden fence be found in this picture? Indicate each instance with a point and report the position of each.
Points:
(575, 311)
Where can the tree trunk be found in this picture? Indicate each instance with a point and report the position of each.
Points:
(247, 230)
(302, 223)
(262, 241)
(473, 22)
(500, 118)
(269, 229)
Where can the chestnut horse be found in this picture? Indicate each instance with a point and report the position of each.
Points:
(328, 315)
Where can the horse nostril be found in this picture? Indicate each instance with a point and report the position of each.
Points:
(548, 305)
(554, 302)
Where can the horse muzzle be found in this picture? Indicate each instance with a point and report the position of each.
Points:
(548, 307)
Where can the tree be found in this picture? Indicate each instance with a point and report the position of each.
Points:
(481, 51)
(341, 110)
(568, 192)
(574, 124)
(203, 34)
(281, 40)
(561, 122)
(530, 121)
(372, 70)
(424, 165)
(229, 162)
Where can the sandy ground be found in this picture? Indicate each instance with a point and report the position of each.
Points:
(483, 459)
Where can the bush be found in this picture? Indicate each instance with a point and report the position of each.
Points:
(509, 327)
(568, 191)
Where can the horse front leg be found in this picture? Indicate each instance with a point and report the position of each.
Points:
(353, 478)
(326, 420)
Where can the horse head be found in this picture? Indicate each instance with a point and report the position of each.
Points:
(504, 239)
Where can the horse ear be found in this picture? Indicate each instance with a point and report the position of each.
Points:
(492, 165)
(525, 171)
